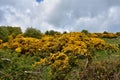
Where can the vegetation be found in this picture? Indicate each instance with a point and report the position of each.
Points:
(51, 32)
(32, 32)
(9, 32)
(52, 55)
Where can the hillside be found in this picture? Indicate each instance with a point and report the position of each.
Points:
(53, 55)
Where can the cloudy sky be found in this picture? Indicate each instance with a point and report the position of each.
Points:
(62, 15)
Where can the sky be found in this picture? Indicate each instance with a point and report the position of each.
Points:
(62, 15)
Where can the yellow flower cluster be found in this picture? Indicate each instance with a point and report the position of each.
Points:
(75, 43)
(107, 35)
(58, 61)
(25, 45)
(94, 35)
(1, 41)
(76, 48)
(111, 48)
(97, 43)
(19, 50)
(42, 62)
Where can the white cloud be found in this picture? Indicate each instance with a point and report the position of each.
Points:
(70, 15)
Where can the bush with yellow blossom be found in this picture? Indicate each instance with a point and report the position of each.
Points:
(23, 45)
(58, 63)
(66, 51)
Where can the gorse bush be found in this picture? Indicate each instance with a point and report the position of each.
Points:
(74, 47)
(107, 35)
(23, 45)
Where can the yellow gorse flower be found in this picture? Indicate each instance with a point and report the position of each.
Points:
(18, 49)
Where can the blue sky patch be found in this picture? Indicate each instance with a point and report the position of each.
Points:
(39, 0)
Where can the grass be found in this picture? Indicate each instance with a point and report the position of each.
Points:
(103, 55)
(113, 40)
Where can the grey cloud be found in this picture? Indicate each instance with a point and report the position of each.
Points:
(71, 15)
(1, 16)
(79, 9)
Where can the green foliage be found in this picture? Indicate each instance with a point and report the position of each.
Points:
(85, 31)
(105, 70)
(51, 32)
(4, 33)
(32, 32)
(118, 33)
(14, 67)
(105, 32)
(14, 31)
(65, 32)
(7, 31)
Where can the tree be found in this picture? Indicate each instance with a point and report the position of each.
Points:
(4, 33)
(105, 32)
(85, 31)
(13, 31)
(51, 32)
(7, 31)
(32, 32)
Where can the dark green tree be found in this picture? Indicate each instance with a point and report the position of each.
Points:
(4, 33)
(14, 31)
(85, 31)
(65, 32)
(32, 32)
(51, 32)
(105, 32)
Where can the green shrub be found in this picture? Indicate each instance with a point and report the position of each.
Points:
(4, 33)
(7, 31)
(51, 32)
(15, 67)
(32, 32)
(85, 31)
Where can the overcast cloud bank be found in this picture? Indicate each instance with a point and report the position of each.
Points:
(62, 15)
